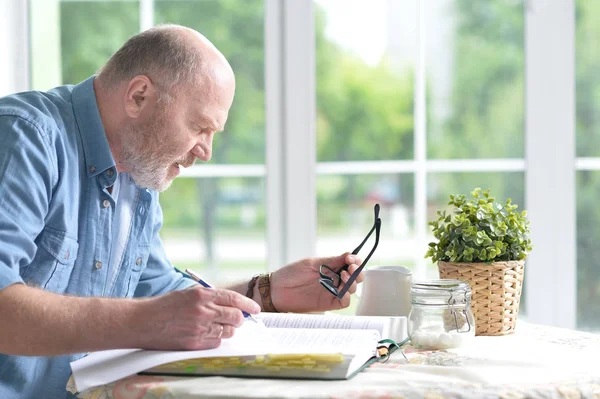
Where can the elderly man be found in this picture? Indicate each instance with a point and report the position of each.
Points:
(80, 171)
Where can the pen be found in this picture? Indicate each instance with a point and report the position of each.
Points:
(203, 283)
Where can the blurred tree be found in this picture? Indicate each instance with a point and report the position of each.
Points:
(237, 29)
(587, 61)
(91, 32)
(363, 113)
(487, 101)
(486, 118)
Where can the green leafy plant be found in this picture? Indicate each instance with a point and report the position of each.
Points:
(480, 230)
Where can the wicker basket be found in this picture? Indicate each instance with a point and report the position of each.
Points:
(496, 292)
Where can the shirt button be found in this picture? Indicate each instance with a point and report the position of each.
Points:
(92, 169)
(110, 172)
(98, 265)
(106, 203)
(138, 261)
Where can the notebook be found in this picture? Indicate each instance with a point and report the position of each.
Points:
(281, 346)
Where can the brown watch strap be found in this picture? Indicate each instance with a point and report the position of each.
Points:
(264, 288)
(251, 284)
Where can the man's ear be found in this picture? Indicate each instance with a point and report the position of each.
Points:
(138, 95)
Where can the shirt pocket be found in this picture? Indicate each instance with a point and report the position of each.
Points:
(138, 260)
(53, 262)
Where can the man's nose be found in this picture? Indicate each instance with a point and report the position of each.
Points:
(203, 151)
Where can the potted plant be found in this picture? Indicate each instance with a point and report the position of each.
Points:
(484, 243)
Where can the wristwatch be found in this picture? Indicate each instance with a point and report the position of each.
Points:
(264, 288)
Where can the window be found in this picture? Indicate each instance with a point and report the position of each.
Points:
(341, 103)
(410, 108)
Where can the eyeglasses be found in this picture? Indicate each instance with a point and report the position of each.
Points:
(332, 280)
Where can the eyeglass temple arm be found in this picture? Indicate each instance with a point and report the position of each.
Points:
(357, 249)
(354, 275)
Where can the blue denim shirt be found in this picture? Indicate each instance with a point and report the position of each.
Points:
(56, 220)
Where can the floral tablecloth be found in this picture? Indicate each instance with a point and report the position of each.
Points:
(534, 362)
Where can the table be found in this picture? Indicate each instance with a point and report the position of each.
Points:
(534, 362)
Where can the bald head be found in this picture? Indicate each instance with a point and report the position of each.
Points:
(173, 57)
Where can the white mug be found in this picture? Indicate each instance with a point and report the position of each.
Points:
(385, 292)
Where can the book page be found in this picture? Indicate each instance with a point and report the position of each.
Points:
(393, 327)
(297, 320)
(289, 340)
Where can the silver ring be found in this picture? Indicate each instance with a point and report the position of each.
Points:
(220, 332)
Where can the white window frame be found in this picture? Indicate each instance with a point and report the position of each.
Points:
(550, 161)
(291, 169)
(14, 46)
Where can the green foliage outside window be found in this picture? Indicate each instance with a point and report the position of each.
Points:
(587, 86)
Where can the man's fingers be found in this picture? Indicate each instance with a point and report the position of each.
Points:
(228, 331)
(233, 299)
(345, 277)
(222, 306)
(352, 268)
(336, 262)
(350, 259)
(215, 331)
(220, 331)
(227, 315)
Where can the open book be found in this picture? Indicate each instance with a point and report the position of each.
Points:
(285, 346)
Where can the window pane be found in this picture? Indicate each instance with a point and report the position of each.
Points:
(364, 100)
(236, 28)
(587, 64)
(345, 215)
(70, 40)
(216, 226)
(503, 185)
(475, 78)
(588, 250)
(221, 230)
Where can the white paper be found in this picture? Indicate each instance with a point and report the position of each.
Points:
(294, 320)
(104, 367)
(315, 340)
(393, 327)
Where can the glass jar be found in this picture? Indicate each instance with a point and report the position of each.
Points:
(441, 315)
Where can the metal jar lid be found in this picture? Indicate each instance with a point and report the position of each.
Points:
(440, 292)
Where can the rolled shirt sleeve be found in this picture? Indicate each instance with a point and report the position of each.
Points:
(25, 189)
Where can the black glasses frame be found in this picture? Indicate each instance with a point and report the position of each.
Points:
(332, 284)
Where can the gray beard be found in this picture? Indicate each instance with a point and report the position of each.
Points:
(147, 164)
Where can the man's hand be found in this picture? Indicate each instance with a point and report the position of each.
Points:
(193, 319)
(187, 319)
(296, 287)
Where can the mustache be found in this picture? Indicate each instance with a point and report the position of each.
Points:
(188, 161)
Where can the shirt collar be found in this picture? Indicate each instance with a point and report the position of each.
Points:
(98, 156)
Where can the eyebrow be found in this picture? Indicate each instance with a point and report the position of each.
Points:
(213, 124)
